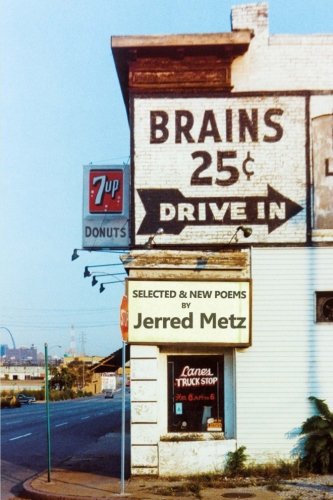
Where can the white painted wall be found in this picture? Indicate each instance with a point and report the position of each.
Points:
(144, 409)
(291, 356)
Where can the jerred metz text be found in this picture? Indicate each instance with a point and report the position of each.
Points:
(211, 320)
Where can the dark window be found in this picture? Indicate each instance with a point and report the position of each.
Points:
(195, 393)
(324, 307)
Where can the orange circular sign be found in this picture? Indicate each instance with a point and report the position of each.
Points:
(124, 318)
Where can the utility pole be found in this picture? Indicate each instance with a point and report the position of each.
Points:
(83, 340)
(47, 402)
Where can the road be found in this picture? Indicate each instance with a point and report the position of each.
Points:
(75, 425)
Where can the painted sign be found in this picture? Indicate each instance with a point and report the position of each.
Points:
(106, 191)
(196, 312)
(322, 131)
(204, 166)
(105, 206)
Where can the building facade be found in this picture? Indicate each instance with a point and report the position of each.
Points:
(230, 289)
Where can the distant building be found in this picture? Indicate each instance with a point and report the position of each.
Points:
(27, 355)
(3, 349)
(19, 378)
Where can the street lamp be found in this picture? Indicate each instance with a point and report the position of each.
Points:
(47, 403)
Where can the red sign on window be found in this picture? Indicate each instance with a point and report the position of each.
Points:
(106, 189)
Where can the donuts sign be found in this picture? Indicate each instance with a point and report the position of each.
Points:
(105, 206)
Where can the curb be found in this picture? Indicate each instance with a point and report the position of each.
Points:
(39, 493)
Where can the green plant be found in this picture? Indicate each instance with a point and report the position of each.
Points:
(236, 461)
(274, 485)
(318, 432)
(288, 469)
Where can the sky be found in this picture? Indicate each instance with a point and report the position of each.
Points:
(61, 108)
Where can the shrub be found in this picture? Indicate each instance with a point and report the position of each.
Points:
(9, 402)
(318, 432)
(236, 461)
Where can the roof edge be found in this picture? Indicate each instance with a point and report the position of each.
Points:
(181, 40)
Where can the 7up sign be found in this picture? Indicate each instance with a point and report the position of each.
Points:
(105, 206)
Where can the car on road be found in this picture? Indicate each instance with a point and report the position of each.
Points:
(24, 399)
(108, 394)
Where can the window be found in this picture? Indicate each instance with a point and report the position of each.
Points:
(195, 393)
(324, 307)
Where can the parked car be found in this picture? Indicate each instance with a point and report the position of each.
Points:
(108, 394)
(24, 399)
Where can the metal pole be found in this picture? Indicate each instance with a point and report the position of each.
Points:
(123, 410)
(47, 401)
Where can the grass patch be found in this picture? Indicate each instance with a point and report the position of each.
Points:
(281, 469)
(269, 475)
(274, 485)
(170, 491)
(188, 488)
(188, 436)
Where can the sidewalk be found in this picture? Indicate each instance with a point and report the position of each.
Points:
(94, 474)
(67, 484)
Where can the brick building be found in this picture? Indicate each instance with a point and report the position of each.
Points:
(230, 289)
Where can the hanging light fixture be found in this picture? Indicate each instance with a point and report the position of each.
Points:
(151, 240)
(247, 231)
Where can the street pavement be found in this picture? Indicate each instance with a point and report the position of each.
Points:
(75, 425)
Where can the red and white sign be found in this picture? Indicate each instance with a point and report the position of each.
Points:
(105, 207)
(106, 188)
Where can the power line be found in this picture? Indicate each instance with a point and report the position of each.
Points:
(55, 327)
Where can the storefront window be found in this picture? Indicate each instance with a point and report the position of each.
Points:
(195, 394)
